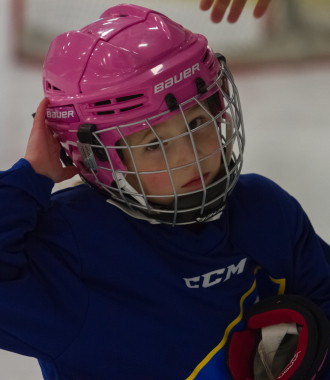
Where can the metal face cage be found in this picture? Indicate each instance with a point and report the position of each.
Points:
(181, 166)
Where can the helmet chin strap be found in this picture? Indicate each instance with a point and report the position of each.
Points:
(128, 189)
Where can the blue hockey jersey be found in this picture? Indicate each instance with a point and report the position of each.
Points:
(94, 294)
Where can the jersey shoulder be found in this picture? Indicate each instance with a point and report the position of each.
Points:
(260, 209)
(257, 188)
(82, 201)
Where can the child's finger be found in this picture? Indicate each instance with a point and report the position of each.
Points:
(68, 172)
(261, 8)
(236, 10)
(205, 5)
(39, 119)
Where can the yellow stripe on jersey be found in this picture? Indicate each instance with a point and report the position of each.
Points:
(281, 283)
(225, 337)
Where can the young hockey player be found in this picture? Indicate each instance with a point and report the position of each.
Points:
(144, 271)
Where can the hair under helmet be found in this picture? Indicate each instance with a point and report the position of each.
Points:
(128, 71)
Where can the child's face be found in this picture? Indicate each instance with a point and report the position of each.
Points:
(179, 152)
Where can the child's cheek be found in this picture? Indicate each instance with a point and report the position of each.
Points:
(158, 183)
(213, 141)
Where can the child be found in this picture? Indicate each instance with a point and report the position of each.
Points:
(145, 272)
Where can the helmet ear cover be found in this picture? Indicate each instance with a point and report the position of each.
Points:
(304, 355)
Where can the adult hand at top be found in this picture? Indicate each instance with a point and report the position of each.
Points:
(219, 8)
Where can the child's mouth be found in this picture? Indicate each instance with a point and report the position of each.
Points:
(196, 182)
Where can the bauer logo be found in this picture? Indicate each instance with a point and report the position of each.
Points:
(66, 114)
(169, 82)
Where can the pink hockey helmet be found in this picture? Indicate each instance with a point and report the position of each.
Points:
(130, 70)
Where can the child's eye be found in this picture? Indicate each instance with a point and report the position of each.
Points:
(152, 146)
(197, 122)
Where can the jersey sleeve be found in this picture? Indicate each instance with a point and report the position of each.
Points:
(276, 232)
(23, 194)
(305, 255)
(308, 267)
(40, 296)
(309, 273)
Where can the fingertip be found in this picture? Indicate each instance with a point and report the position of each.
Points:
(261, 8)
(205, 5)
(44, 100)
(257, 13)
(216, 20)
(217, 16)
(232, 18)
(39, 116)
(43, 104)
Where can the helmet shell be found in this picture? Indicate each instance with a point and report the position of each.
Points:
(115, 73)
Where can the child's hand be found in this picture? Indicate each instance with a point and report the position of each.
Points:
(43, 149)
(220, 7)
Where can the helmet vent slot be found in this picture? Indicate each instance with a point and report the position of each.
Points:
(130, 108)
(206, 55)
(102, 103)
(211, 65)
(105, 112)
(51, 87)
(126, 98)
(114, 106)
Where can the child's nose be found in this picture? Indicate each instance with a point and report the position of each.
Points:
(187, 151)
